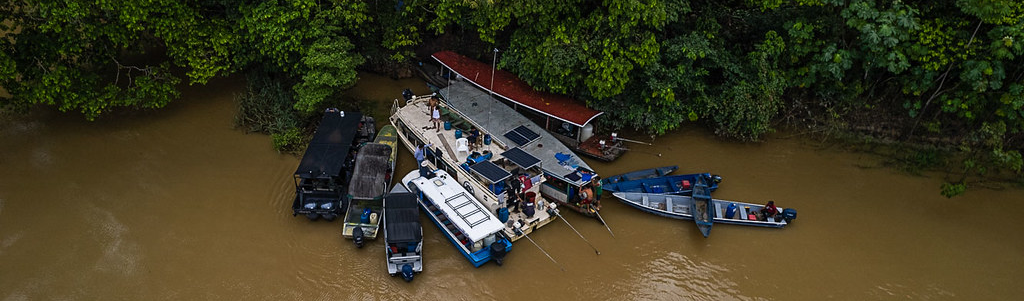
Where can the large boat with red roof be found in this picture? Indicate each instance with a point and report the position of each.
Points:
(566, 118)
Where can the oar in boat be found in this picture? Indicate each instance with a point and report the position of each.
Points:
(555, 211)
(520, 232)
(603, 223)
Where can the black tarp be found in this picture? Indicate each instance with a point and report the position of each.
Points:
(325, 156)
(368, 177)
(402, 218)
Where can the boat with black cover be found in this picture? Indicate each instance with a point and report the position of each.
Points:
(322, 177)
(403, 233)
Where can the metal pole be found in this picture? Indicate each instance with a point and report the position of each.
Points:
(541, 249)
(603, 223)
(494, 59)
(555, 211)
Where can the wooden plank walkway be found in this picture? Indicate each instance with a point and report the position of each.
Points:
(451, 154)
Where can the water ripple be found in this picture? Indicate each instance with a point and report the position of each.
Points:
(119, 254)
(676, 276)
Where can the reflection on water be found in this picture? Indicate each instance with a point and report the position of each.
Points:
(177, 204)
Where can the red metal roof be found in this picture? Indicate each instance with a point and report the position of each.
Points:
(508, 86)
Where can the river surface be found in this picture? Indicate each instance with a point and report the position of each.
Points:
(176, 204)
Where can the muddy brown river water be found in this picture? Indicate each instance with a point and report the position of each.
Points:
(176, 204)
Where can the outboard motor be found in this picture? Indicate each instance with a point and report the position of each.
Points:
(407, 94)
(407, 272)
(789, 214)
(329, 207)
(311, 215)
(498, 251)
(716, 178)
(357, 237)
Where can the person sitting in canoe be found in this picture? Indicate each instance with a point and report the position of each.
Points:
(769, 211)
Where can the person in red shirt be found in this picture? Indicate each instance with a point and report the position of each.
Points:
(769, 210)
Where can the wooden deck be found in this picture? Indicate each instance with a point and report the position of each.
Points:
(414, 115)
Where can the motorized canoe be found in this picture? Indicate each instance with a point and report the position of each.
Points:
(640, 174)
(724, 211)
(675, 184)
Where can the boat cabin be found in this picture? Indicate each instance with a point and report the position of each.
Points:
(568, 119)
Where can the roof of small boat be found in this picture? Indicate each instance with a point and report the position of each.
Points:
(371, 169)
(475, 220)
(402, 216)
(326, 153)
(508, 86)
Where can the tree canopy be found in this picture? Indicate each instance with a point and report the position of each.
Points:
(948, 69)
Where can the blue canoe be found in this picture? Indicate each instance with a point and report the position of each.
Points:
(703, 211)
(640, 174)
(664, 185)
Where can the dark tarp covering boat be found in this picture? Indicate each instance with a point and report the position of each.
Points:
(327, 152)
(372, 167)
(403, 219)
(321, 177)
(403, 233)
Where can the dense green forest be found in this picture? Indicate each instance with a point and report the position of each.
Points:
(946, 76)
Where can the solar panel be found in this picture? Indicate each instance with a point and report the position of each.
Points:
(521, 158)
(489, 171)
(517, 138)
(527, 133)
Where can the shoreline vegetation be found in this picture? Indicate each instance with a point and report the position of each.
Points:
(932, 86)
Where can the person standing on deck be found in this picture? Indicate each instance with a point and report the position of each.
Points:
(586, 195)
(598, 189)
(435, 113)
(420, 151)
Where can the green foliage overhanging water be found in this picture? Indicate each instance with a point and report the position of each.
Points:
(949, 73)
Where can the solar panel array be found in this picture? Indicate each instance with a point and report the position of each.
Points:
(521, 158)
(521, 135)
(491, 172)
